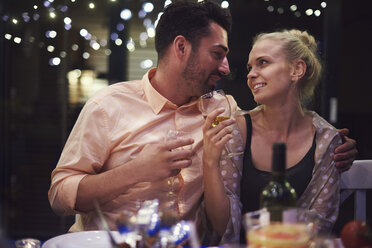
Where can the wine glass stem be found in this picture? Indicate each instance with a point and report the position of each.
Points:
(231, 154)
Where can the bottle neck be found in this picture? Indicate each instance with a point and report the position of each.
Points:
(278, 158)
(278, 162)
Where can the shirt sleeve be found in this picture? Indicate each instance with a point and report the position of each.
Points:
(322, 194)
(84, 153)
(231, 171)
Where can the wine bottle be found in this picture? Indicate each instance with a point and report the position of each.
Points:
(278, 194)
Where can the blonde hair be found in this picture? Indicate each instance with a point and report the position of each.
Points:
(296, 45)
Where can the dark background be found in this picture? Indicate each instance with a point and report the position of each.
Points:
(35, 118)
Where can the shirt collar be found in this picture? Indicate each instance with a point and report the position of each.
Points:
(156, 101)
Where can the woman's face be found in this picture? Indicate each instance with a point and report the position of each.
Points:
(269, 73)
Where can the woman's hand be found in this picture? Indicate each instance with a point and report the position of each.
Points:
(215, 138)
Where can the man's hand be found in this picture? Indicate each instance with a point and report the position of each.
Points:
(159, 161)
(346, 153)
(154, 163)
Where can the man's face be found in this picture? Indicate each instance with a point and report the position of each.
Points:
(205, 66)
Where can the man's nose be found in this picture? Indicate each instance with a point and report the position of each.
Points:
(224, 67)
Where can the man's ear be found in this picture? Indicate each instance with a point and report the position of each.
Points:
(299, 70)
(180, 46)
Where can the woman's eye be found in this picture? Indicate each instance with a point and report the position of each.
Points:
(263, 61)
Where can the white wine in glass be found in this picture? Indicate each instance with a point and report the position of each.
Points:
(173, 135)
(219, 119)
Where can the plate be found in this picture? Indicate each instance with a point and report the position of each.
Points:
(92, 239)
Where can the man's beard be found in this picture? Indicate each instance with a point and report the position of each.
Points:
(195, 76)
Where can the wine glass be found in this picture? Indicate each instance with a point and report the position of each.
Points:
(173, 135)
(211, 101)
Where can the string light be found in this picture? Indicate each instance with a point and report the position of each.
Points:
(225, 4)
(17, 40)
(270, 8)
(126, 14)
(51, 34)
(95, 45)
(119, 42)
(86, 55)
(52, 15)
(46, 4)
(148, 7)
(151, 31)
(63, 54)
(309, 12)
(145, 64)
(293, 7)
(50, 48)
(131, 45)
(74, 47)
(120, 27)
(142, 14)
(114, 36)
(297, 9)
(52, 11)
(167, 2)
(67, 20)
(54, 61)
(280, 10)
(83, 32)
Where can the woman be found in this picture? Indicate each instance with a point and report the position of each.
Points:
(283, 71)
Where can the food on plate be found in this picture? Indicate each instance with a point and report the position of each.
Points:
(279, 235)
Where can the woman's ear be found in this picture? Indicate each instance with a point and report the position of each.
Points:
(299, 70)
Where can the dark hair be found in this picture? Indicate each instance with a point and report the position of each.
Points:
(190, 19)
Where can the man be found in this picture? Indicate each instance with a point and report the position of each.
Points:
(116, 153)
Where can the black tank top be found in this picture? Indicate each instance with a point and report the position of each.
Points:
(254, 180)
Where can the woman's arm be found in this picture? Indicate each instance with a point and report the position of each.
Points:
(222, 179)
(216, 201)
(322, 194)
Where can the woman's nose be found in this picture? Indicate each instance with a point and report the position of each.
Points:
(251, 73)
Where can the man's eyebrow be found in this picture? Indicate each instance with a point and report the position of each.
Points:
(223, 47)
